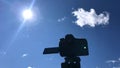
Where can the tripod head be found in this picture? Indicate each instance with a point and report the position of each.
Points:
(70, 48)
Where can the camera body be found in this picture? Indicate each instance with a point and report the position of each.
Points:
(70, 46)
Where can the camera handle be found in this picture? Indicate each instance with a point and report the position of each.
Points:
(71, 62)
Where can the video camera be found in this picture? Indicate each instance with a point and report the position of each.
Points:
(70, 47)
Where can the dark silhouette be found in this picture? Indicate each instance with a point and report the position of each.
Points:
(70, 48)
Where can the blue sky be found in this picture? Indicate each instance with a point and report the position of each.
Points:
(21, 45)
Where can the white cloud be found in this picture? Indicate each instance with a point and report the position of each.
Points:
(61, 19)
(24, 55)
(29, 67)
(90, 17)
(111, 61)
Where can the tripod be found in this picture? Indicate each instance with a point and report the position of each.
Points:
(71, 62)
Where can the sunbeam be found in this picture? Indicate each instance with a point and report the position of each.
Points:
(20, 28)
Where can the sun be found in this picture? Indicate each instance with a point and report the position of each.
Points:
(27, 14)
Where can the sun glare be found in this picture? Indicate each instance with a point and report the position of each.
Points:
(27, 14)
